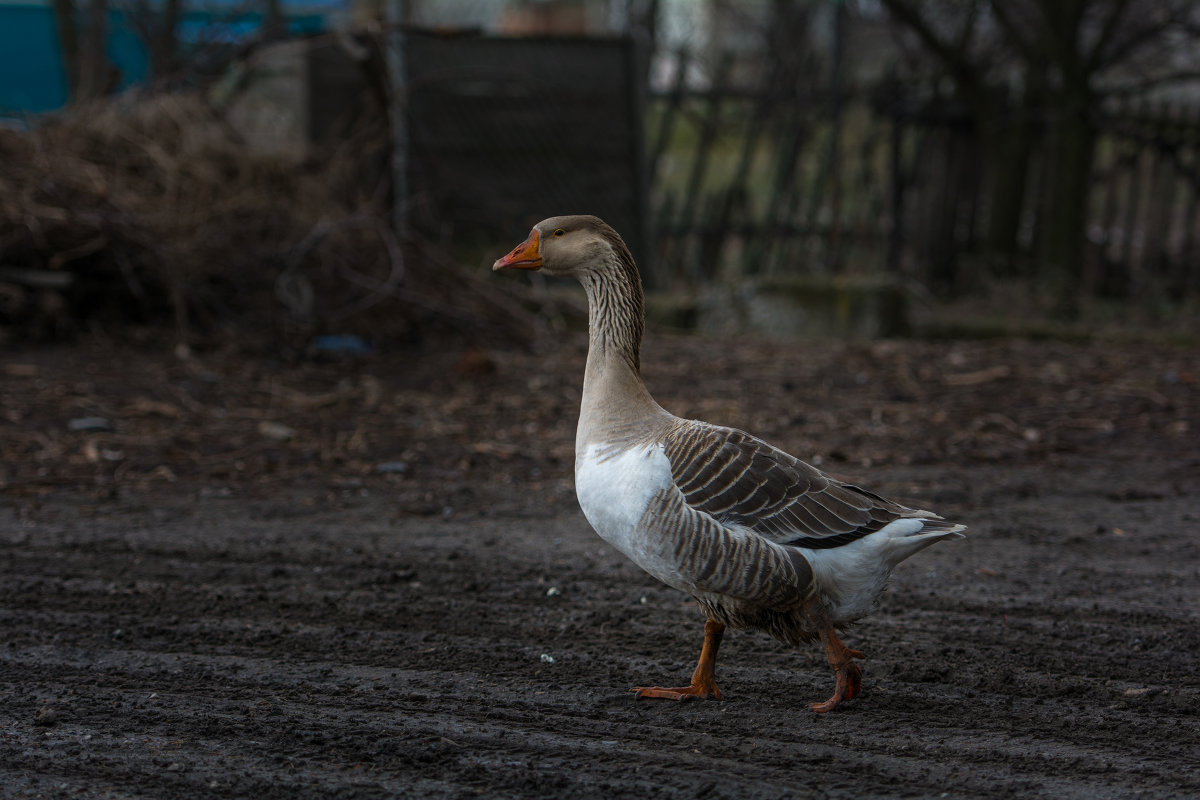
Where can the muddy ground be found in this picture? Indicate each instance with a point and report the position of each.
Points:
(369, 578)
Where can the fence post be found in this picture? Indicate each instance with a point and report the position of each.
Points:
(635, 57)
(394, 51)
(895, 154)
(666, 125)
(785, 167)
(708, 133)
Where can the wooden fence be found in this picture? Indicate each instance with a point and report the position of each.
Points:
(748, 182)
(503, 131)
(1145, 211)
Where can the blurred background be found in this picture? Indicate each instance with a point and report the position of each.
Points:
(278, 170)
(287, 505)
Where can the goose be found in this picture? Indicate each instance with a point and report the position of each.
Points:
(760, 539)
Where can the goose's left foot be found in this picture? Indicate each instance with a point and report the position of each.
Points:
(702, 691)
(704, 684)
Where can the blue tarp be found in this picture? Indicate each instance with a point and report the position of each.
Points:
(32, 78)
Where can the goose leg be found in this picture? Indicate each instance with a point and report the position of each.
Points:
(704, 684)
(848, 673)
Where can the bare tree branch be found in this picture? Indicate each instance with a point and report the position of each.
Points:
(1107, 31)
(955, 58)
(967, 34)
(1028, 49)
(1147, 32)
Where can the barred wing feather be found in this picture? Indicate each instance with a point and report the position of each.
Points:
(741, 480)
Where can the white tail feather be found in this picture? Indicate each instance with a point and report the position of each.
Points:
(851, 577)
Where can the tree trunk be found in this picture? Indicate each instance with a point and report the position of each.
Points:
(1007, 131)
(68, 42)
(1070, 151)
(273, 25)
(165, 39)
(94, 67)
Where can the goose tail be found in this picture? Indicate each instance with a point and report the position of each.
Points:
(910, 535)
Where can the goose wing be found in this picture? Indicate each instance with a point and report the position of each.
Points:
(741, 480)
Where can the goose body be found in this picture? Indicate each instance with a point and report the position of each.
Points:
(758, 537)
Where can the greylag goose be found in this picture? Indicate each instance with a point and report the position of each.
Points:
(760, 539)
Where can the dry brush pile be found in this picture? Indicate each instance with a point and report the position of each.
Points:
(151, 209)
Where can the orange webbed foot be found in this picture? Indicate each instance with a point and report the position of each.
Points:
(703, 685)
(840, 658)
(693, 691)
(849, 682)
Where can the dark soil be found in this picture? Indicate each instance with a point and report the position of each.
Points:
(370, 579)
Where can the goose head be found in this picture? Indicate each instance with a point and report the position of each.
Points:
(588, 249)
(571, 246)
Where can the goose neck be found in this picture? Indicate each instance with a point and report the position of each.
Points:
(614, 395)
(616, 315)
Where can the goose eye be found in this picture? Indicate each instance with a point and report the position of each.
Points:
(558, 232)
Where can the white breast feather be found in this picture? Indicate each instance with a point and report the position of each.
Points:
(614, 490)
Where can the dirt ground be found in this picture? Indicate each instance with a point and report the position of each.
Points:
(369, 578)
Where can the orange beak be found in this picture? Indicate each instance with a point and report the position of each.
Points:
(524, 256)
